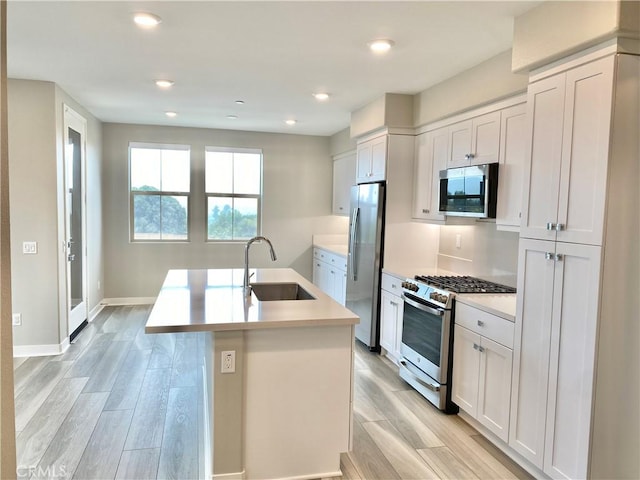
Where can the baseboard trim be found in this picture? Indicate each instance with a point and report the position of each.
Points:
(128, 301)
(93, 313)
(40, 350)
(228, 476)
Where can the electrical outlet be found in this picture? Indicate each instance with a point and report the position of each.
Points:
(16, 319)
(29, 248)
(228, 361)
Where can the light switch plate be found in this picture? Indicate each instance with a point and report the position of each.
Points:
(29, 248)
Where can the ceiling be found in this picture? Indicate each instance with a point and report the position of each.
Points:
(271, 55)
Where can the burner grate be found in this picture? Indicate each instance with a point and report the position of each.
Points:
(464, 284)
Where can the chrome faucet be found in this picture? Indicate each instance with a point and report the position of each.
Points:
(246, 286)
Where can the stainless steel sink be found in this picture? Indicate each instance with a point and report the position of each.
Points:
(268, 292)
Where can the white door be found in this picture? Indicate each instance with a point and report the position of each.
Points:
(75, 131)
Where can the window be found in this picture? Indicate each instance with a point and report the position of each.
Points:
(233, 187)
(159, 191)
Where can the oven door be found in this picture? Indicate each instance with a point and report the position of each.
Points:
(425, 337)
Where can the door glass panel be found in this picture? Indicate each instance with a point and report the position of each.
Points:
(422, 332)
(74, 182)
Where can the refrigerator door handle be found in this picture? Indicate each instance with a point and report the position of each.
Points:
(352, 244)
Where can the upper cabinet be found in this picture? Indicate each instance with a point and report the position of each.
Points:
(371, 160)
(475, 141)
(512, 149)
(497, 135)
(344, 176)
(565, 175)
(431, 154)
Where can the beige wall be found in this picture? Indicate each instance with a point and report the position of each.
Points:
(341, 142)
(297, 204)
(35, 163)
(541, 35)
(487, 82)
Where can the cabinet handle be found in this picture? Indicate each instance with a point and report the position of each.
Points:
(425, 210)
(559, 227)
(556, 257)
(332, 272)
(393, 285)
(551, 226)
(480, 323)
(395, 304)
(470, 156)
(476, 346)
(480, 349)
(555, 226)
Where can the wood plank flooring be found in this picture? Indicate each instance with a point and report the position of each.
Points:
(120, 404)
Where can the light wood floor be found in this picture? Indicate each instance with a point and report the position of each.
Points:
(125, 405)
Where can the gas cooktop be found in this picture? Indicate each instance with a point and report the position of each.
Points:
(464, 284)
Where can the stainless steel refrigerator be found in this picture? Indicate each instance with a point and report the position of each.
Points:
(364, 261)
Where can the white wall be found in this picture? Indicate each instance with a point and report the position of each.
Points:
(296, 205)
(35, 167)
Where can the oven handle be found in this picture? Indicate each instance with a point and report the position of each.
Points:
(433, 388)
(424, 308)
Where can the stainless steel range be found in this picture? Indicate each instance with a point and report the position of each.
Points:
(427, 332)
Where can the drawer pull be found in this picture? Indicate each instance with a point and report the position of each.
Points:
(480, 323)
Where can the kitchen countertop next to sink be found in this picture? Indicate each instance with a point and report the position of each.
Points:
(213, 300)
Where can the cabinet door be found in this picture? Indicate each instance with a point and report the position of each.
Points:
(363, 162)
(388, 321)
(344, 176)
(531, 349)
(432, 150)
(321, 276)
(572, 360)
(378, 159)
(485, 139)
(545, 103)
(585, 152)
(494, 391)
(512, 150)
(466, 369)
(460, 138)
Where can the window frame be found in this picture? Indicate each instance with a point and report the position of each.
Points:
(162, 193)
(208, 195)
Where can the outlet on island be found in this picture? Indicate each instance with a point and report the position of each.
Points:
(228, 361)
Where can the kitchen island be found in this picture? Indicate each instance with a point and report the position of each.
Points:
(285, 410)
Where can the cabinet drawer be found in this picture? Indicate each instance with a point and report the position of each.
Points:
(337, 261)
(333, 259)
(391, 284)
(490, 326)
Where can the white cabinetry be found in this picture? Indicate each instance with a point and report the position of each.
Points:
(566, 162)
(330, 274)
(344, 176)
(371, 160)
(573, 270)
(475, 141)
(432, 151)
(556, 345)
(512, 152)
(391, 311)
(482, 360)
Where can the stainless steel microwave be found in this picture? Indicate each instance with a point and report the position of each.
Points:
(469, 191)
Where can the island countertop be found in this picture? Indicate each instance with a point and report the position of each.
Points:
(212, 300)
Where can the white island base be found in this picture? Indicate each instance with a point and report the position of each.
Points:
(286, 411)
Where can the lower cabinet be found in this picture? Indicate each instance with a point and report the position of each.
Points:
(330, 274)
(482, 367)
(391, 310)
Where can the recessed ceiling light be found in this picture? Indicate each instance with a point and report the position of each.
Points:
(240, 102)
(290, 122)
(381, 45)
(170, 114)
(146, 20)
(321, 96)
(232, 117)
(165, 83)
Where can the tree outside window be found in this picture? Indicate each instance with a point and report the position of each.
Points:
(159, 188)
(233, 187)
